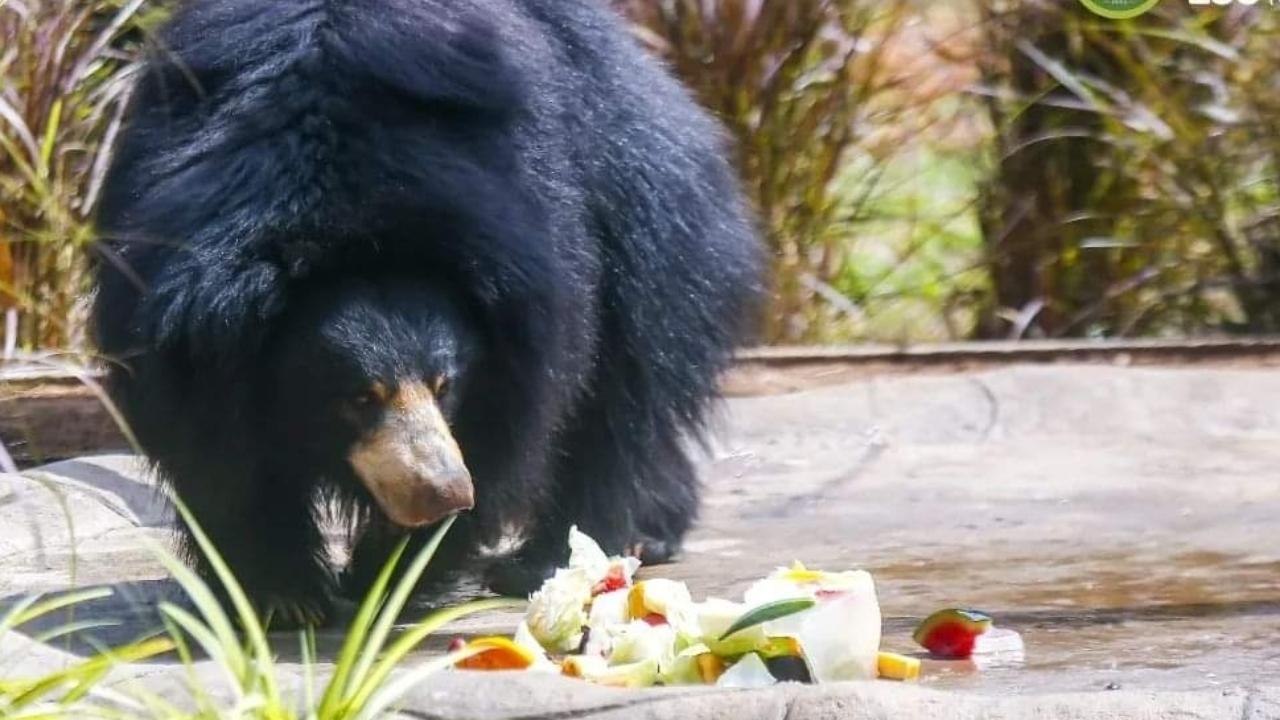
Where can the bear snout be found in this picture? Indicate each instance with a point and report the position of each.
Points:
(411, 463)
(425, 501)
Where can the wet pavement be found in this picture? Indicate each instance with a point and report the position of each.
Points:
(1125, 521)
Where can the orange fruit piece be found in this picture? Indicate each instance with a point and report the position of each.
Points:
(496, 653)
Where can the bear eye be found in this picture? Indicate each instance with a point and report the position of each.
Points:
(440, 385)
(370, 397)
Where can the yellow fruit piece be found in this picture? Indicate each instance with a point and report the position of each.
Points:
(780, 647)
(636, 609)
(892, 666)
(496, 653)
(710, 668)
(580, 666)
(800, 574)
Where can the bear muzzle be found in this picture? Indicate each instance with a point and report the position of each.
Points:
(411, 463)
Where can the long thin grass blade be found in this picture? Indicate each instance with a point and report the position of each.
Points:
(415, 635)
(228, 658)
(10, 619)
(54, 604)
(215, 619)
(356, 634)
(395, 604)
(261, 650)
(44, 167)
(391, 693)
(74, 628)
(19, 126)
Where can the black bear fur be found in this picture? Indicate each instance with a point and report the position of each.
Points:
(307, 194)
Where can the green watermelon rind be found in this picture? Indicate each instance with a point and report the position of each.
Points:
(975, 620)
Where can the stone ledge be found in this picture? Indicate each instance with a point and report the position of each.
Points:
(471, 696)
(520, 696)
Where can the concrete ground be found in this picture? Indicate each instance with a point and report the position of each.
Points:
(1123, 520)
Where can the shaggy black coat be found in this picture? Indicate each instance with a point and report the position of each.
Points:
(522, 162)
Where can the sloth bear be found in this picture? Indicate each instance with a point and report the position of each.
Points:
(410, 258)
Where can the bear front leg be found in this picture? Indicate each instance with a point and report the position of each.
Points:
(635, 493)
(266, 532)
(377, 538)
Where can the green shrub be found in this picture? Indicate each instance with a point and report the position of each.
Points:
(1132, 189)
(819, 97)
(64, 81)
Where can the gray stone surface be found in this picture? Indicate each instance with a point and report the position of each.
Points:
(1263, 704)
(1124, 520)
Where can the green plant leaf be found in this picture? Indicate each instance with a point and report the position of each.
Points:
(226, 658)
(767, 612)
(345, 663)
(50, 139)
(82, 676)
(394, 604)
(261, 651)
(390, 693)
(33, 608)
(215, 622)
(410, 640)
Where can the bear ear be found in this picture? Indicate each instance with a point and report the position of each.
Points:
(216, 314)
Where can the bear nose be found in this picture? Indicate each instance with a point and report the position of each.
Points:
(432, 493)
(423, 500)
(451, 493)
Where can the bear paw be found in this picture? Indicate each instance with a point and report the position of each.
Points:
(294, 613)
(653, 551)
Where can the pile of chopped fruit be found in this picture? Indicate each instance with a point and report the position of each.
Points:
(592, 621)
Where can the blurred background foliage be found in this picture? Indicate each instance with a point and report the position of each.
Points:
(922, 170)
(64, 77)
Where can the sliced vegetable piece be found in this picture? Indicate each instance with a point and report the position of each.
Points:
(638, 641)
(779, 647)
(684, 668)
(998, 641)
(951, 633)
(710, 667)
(749, 672)
(789, 669)
(998, 647)
(583, 666)
(658, 596)
(596, 670)
(892, 666)
(557, 613)
(841, 637)
(767, 612)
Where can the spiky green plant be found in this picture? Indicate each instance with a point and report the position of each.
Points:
(370, 675)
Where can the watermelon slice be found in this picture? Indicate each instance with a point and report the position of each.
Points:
(951, 633)
(615, 579)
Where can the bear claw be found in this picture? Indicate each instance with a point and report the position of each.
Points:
(652, 551)
(294, 613)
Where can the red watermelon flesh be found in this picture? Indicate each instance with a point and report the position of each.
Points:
(951, 633)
